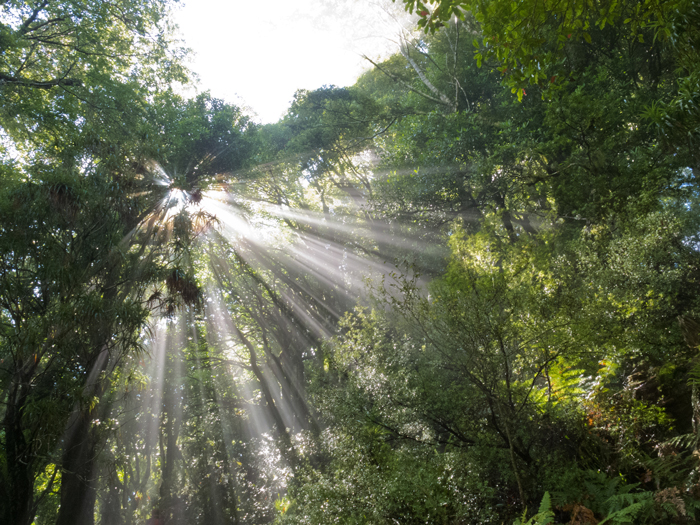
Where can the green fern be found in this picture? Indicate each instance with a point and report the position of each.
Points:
(544, 516)
(626, 514)
(617, 501)
(683, 442)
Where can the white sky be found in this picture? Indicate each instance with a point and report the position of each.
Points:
(256, 55)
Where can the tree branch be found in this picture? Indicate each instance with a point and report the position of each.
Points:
(405, 84)
(25, 26)
(444, 99)
(38, 84)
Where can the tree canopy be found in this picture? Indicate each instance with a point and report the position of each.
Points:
(462, 290)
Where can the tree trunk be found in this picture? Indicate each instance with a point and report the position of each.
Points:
(78, 487)
(287, 449)
(17, 488)
(695, 401)
(79, 469)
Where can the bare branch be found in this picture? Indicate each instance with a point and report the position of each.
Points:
(404, 83)
(444, 99)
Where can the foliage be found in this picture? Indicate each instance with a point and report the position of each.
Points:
(59, 56)
(543, 517)
(572, 237)
(450, 293)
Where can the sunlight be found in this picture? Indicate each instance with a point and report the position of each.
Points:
(418, 293)
(348, 30)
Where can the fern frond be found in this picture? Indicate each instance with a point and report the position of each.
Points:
(546, 504)
(684, 441)
(625, 515)
(544, 516)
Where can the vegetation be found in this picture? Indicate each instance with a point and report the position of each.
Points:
(462, 290)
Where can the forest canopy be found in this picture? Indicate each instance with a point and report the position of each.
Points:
(461, 290)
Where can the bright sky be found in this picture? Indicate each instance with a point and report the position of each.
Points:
(257, 54)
